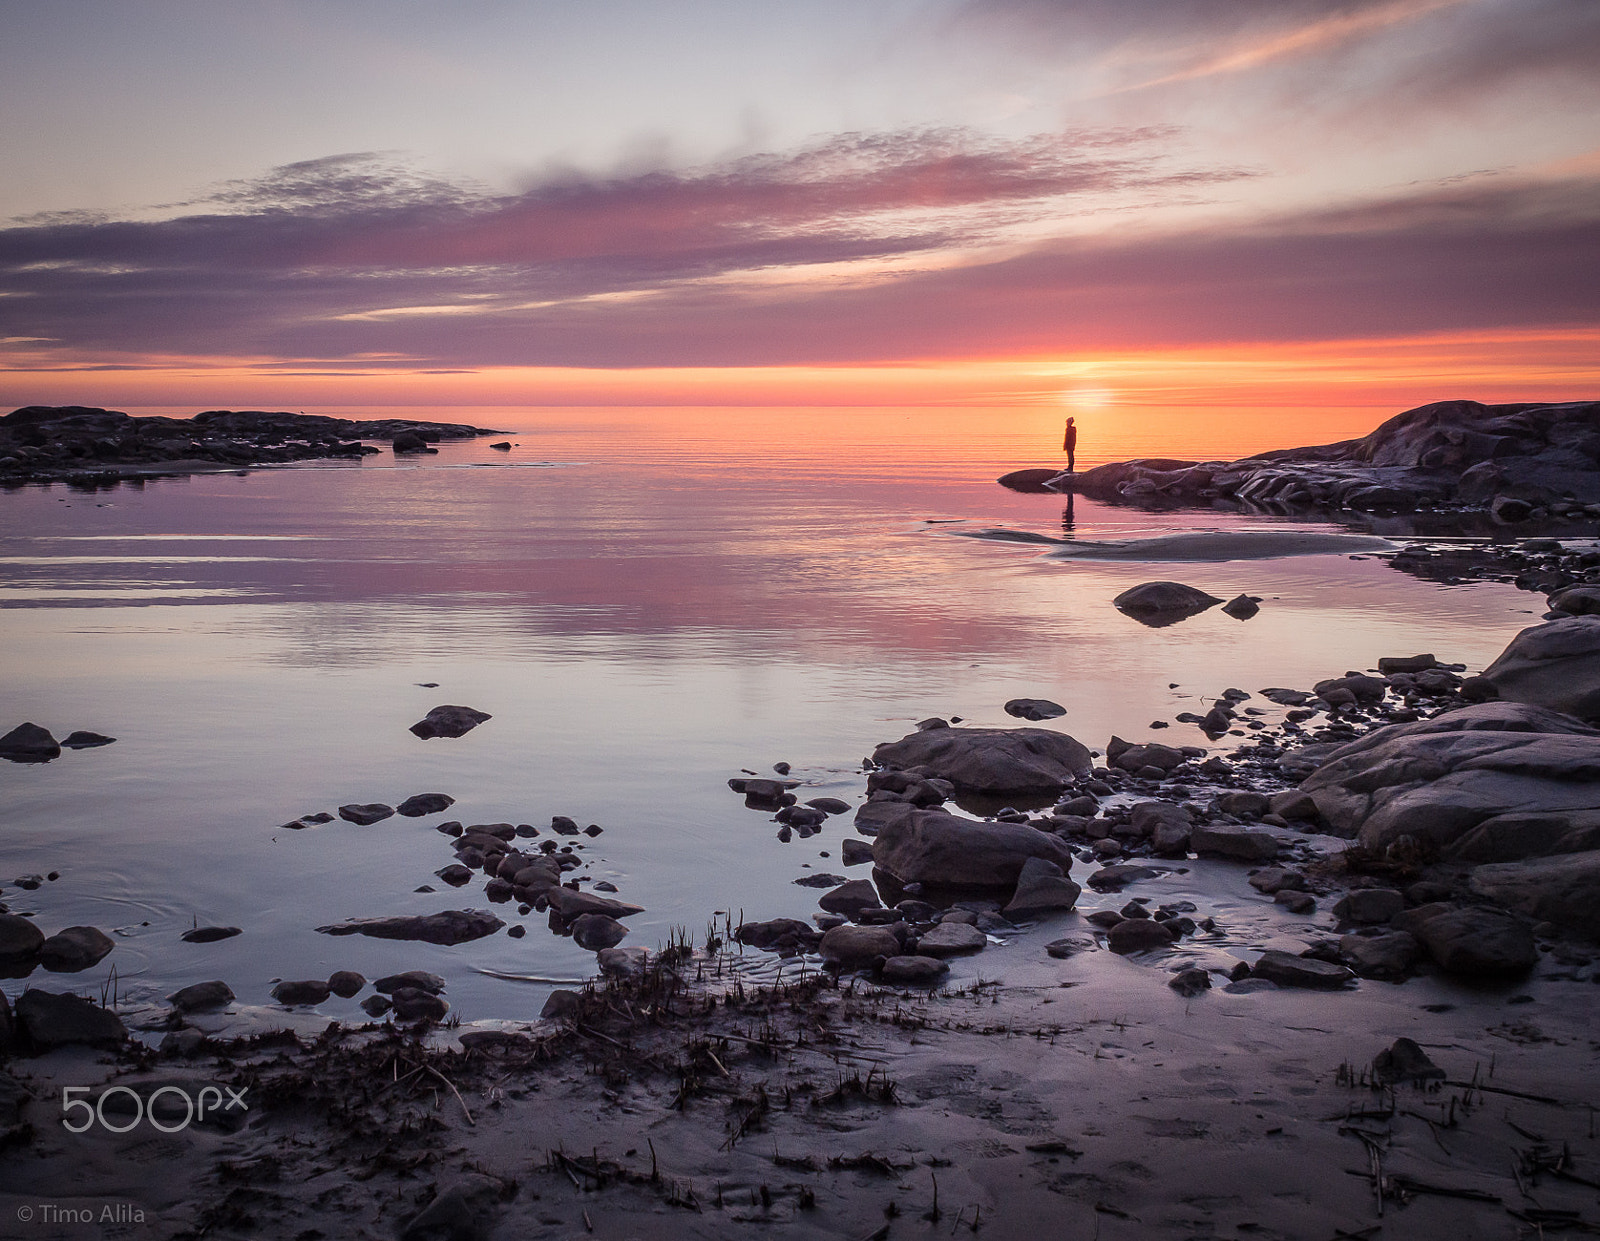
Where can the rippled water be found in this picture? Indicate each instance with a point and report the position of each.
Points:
(646, 601)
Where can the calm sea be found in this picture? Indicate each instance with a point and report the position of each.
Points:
(648, 602)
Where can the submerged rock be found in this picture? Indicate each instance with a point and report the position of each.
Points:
(449, 721)
(82, 740)
(209, 934)
(452, 926)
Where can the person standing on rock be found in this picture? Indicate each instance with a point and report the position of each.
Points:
(1069, 444)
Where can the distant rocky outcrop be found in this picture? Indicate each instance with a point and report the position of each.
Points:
(73, 441)
(1516, 461)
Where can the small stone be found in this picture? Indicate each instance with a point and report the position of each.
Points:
(856, 852)
(1405, 1061)
(1296, 902)
(1190, 982)
(851, 946)
(412, 1004)
(592, 932)
(449, 721)
(376, 1005)
(626, 963)
(201, 996)
(1139, 935)
(419, 980)
(851, 897)
(345, 983)
(914, 971)
(1369, 905)
(308, 991)
(950, 939)
(1034, 709)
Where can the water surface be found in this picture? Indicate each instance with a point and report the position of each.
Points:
(647, 602)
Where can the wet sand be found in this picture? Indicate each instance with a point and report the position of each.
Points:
(1076, 1098)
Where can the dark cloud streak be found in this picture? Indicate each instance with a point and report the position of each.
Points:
(632, 271)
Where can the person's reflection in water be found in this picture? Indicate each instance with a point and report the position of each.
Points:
(1068, 521)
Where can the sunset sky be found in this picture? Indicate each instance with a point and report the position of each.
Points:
(1071, 202)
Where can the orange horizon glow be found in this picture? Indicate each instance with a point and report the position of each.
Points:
(1395, 373)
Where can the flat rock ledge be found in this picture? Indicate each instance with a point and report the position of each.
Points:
(1516, 461)
(45, 442)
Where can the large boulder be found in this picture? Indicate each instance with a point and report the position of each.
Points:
(1163, 603)
(20, 941)
(1480, 944)
(1555, 665)
(991, 760)
(1439, 779)
(931, 847)
(28, 743)
(49, 1020)
(1564, 889)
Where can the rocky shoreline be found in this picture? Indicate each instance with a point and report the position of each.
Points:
(1444, 823)
(1516, 462)
(1332, 953)
(88, 446)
